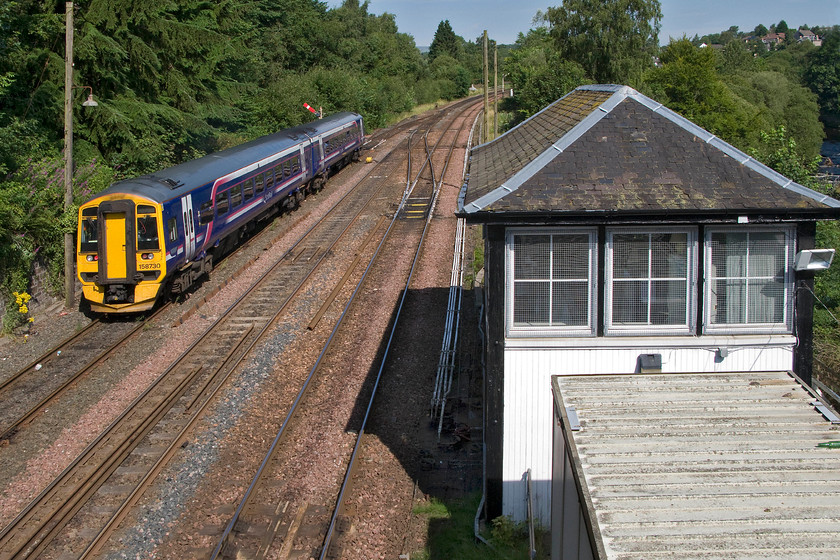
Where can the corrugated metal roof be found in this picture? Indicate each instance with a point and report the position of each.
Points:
(705, 465)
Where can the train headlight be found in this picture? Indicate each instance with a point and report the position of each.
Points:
(92, 258)
(147, 256)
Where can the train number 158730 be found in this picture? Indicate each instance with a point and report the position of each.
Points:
(148, 266)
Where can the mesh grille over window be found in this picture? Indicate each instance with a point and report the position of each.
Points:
(649, 284)
(552, 281)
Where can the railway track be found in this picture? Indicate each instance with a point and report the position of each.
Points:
(275, 517)
(34, 388)
(341, 524)
(37, 386)
(100, 486)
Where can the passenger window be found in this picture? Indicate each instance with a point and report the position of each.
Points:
(295, 165)
(248, 191)
(147, 234)
(287, 169)
(172, 226)
(235, 195)
(89, 236)
(269, 181)
(222, 203)
(205, 213)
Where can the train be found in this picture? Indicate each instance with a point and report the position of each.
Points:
(159, 233)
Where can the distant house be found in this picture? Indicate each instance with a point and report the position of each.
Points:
(773, 39)
(620, 238)
(807, 35)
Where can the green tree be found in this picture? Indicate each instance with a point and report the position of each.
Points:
(613, 40)
(539, 74)
(175, 80)
(781, 102)
(729, 35)
(454, 78)
(760, 30)
(445, 42)
(822, 75)
(779, 151)
(735, 59)
(688, 83)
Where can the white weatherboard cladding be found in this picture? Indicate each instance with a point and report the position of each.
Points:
(528, 405)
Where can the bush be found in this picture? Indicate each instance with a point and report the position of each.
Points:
(33, 220)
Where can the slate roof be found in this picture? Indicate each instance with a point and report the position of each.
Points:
(608, 150)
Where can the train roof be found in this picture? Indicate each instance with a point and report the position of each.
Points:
(176, 181)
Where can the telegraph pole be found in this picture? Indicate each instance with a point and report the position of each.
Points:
(495, 91)
(69, 242)
(486, 92)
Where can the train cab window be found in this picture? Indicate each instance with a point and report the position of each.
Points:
(145, 209)
(269, 181)
(222, 205)
(236, 195)
(89, 235)
(172, 228)
(205, 213)
(248, 186)
(147, 233)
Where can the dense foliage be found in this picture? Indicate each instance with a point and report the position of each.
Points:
(614, 40)
(539, 74)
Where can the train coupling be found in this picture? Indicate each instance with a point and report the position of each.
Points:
(118, 293)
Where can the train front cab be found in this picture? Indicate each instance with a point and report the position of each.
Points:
(120, 260)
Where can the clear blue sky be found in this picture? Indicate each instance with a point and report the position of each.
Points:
(503, 20)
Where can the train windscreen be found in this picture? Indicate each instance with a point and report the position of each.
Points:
(90, 237)
(147, 234)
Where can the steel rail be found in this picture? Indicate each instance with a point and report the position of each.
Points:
(13, 428)
(122, 511)
(92, 447)
(291, 414)
(395, 324)
(49, 354)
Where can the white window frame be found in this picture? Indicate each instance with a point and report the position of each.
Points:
(689, 325)
(786, 326)
(587, 330)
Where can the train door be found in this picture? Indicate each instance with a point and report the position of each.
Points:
(189, 226)
(272, 178)
(117, 253)
(304, 164)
